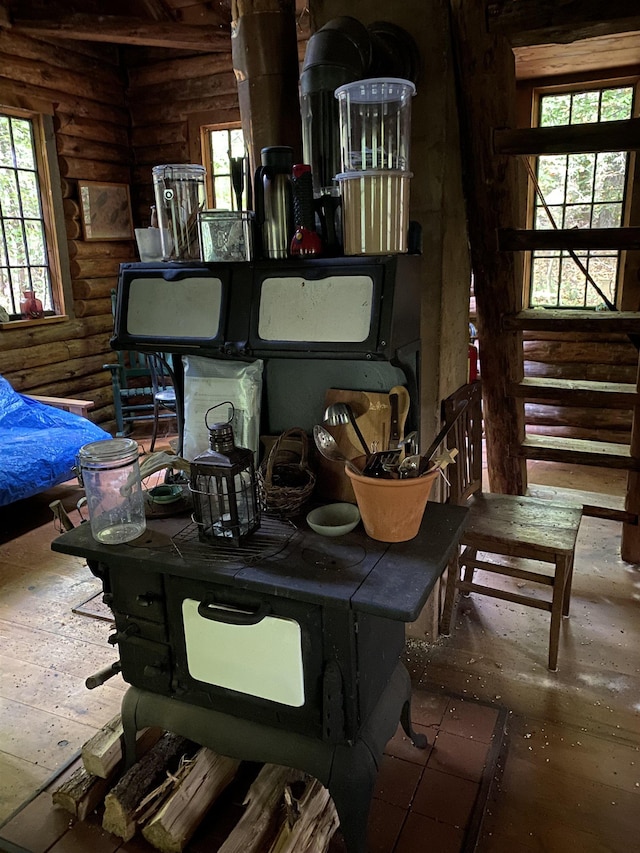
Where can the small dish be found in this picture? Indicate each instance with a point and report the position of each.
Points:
(165, 494)
(334, 519)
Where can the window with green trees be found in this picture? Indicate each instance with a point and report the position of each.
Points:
(225, 145)
(24, 256)
(579, 191)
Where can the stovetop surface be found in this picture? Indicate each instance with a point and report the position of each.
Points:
(351, 571)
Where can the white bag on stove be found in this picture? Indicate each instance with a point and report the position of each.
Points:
(209, 381)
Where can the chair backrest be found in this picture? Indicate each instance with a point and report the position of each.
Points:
(161, 374)
(465, 475)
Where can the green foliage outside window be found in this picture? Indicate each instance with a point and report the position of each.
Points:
(23, 248)
(581, 191)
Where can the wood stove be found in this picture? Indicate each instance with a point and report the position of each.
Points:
(287, 651)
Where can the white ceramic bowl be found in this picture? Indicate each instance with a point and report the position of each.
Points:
(334, 519)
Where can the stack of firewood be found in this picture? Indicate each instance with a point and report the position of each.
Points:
(170, 789)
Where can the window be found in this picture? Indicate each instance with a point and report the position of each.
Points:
(28, 256)
(579, 191)
(224, 157)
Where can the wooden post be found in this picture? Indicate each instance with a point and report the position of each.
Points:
(487, 103)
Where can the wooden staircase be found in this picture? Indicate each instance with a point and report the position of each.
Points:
(494, 187)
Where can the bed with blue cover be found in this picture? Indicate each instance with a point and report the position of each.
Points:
(38, 444)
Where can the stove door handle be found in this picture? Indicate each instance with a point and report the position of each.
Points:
(232, 615)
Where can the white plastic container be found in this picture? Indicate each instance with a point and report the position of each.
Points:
(375, 124)
(375, 211)
(110, 474)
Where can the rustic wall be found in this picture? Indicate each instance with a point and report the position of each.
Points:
(83, 87)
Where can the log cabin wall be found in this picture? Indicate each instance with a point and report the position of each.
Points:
(169, 94)
(599, 357)
(85, 86)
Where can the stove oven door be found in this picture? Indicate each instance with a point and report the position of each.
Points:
(258, 657)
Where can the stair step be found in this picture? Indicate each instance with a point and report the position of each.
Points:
(569, 139)
(578, 451)
(577, 392)
(527, 240)
(574, 320)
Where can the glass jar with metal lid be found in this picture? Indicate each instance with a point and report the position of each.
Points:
(110, 473)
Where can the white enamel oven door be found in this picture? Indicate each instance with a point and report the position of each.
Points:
(244, 650)
(255, 656)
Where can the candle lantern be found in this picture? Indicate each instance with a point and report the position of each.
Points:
(223, 484)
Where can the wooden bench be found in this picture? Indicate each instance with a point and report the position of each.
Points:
(67, 404)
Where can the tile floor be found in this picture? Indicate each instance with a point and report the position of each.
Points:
(431, 799)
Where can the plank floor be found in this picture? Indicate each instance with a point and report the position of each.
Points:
(570, 774)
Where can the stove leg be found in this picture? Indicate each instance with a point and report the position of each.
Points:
(129, 727)
(417, 738)
(353, 777)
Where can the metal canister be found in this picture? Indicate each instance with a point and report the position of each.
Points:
(110, 473)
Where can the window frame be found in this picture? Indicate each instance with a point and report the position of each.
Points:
(41, 119)
(529, 105)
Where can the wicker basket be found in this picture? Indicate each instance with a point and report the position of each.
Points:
(284, 483)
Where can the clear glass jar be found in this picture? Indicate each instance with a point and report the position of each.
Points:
(110, 474)
(179, 193)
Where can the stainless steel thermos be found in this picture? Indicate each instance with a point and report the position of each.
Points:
(274, 200)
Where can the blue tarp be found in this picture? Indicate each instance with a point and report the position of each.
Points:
(38, 444)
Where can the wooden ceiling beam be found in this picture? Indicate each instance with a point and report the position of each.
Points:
(527, 22)
(115, 29)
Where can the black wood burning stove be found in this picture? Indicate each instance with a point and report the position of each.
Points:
(287, 651)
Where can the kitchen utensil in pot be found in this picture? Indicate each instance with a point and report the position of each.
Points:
(342, 413)
(328, 447)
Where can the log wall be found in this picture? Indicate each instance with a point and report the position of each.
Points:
(86, 87)
(601, 358)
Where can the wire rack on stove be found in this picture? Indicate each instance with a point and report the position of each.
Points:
(271, 537)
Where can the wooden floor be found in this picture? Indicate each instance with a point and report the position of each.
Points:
(570, 776)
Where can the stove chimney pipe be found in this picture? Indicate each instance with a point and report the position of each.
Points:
(265, 61)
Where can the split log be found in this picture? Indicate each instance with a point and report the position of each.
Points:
(204, 779)
(121, 803)
(263, 800)
(311, 821)
(102, 753)
(81, 793)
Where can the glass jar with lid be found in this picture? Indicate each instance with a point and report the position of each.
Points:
(110, 473)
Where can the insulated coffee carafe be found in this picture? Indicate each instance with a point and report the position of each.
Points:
(274, 200)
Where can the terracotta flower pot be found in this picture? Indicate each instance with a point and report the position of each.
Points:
(392, 510)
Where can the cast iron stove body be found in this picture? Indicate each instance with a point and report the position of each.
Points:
(300, 638)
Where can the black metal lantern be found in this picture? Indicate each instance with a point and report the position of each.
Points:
(223, 484)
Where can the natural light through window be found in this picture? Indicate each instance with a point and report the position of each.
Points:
(580, 191)
(227, 156)
(24, 265)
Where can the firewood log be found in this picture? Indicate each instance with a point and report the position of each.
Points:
(259, 822)
(311, 821)
(204, 779)
(102, 753)
(81, 793)
(122, 801)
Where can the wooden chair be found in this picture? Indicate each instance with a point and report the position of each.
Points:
(164, 393)
(508, 526)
